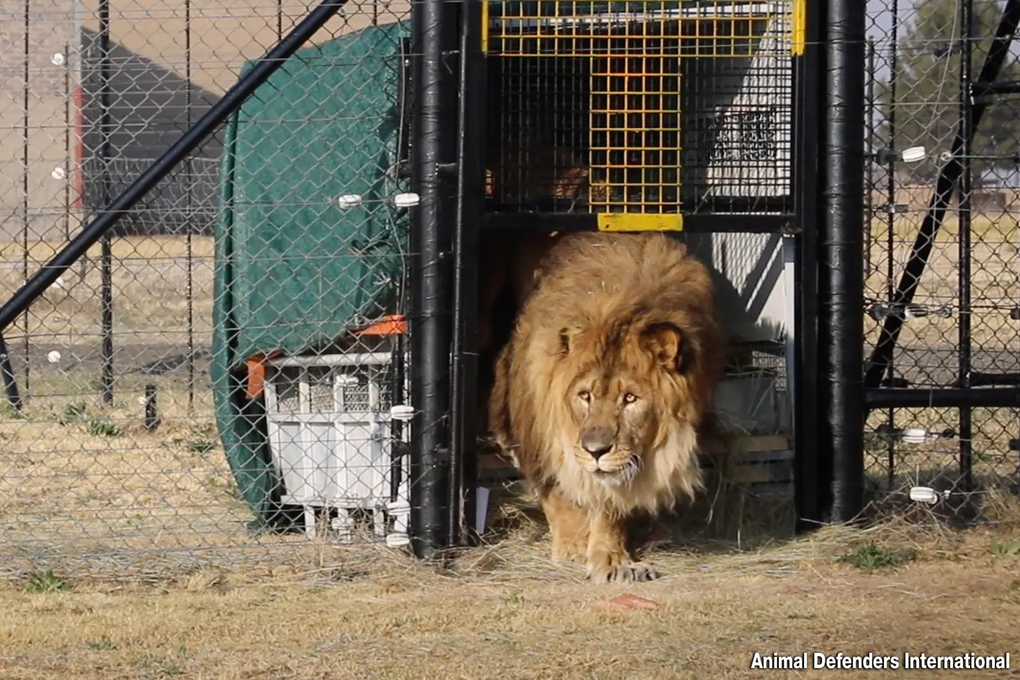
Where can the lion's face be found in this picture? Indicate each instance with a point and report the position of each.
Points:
(615, 421)
(617, 405)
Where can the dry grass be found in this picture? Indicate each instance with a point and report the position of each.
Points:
(502, 612)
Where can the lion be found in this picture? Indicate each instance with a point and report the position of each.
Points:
(602, 388)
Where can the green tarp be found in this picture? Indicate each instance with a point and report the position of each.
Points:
(294, 269)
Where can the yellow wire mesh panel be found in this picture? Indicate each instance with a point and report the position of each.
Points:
(641, 106)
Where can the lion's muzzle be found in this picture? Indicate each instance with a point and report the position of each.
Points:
(597, 442)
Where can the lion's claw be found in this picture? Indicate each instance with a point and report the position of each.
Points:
(621, 573)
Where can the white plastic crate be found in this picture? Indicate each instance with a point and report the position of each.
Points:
(329, 424)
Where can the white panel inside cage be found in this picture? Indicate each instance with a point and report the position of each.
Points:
(362, 462)
(301, 463)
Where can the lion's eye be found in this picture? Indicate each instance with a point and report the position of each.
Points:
(584, 395)
(629, 398)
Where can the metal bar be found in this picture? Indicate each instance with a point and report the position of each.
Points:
(890, 216)
(697, 223)
(980, 379)
(189, 171)
(68, 164)
(949, 397)
(430, 278)
(470, 212)
(945, 186)
(842, 251)
(205, 126)
(869, 171)
(811, 470)
(106, 254)
(10, 384)
(982, 89)
(964, 241)
(24, 180)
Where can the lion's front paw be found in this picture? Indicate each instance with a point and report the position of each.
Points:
(620, 573)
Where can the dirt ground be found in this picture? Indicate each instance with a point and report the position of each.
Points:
(502, 611)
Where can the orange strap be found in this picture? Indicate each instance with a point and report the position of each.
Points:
(256, 366)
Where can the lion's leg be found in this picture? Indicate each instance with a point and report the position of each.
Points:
(608, 558)
(568, 525)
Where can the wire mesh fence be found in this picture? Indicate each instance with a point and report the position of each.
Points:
(131, 367)
(925, 61)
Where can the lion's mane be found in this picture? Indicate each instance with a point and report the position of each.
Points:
(596, 292)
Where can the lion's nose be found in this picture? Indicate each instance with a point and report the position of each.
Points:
(597, 444)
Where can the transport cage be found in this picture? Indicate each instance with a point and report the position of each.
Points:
(330, 426)
(641, 107)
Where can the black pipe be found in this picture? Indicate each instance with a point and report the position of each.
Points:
(966, 176)
(470, 212)
(945, 186)
(869, 171)
(189, 225)
(67, 141)
(24, 181)
(431, 276)
(979, 379)
(842, 252)
(106, 254)
(205, 126)
(811, 470)
(949, 397)
(151, 420)
(10, 384)
(890, 217)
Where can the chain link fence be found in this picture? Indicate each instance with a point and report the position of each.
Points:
(134, 362)
(960, 329)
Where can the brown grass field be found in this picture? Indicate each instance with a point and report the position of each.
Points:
(125, 552)
(502, 612)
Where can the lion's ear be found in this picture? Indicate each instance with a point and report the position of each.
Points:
(665, 341)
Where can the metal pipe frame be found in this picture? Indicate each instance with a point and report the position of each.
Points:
(812, 472)
(470, 213)
(841, 321)
(433, 148)
(966, 175)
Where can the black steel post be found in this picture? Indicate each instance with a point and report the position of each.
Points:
(966, 170)
(842, 253)
(106, 254)
(206, 125)
(949, 397)
(151, 420)
(869, 171)
(10, 384)
(68, 163)
(890, 218)
(25, 226)
(189, 224)
(812, 471)
(431, 279)
(945, 186)
(470, 213)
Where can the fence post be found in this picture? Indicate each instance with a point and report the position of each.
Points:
(842, 254)
(433, 149)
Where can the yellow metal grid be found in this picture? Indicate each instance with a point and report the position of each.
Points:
(634, 130)
(705, 28)
(634, 50)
